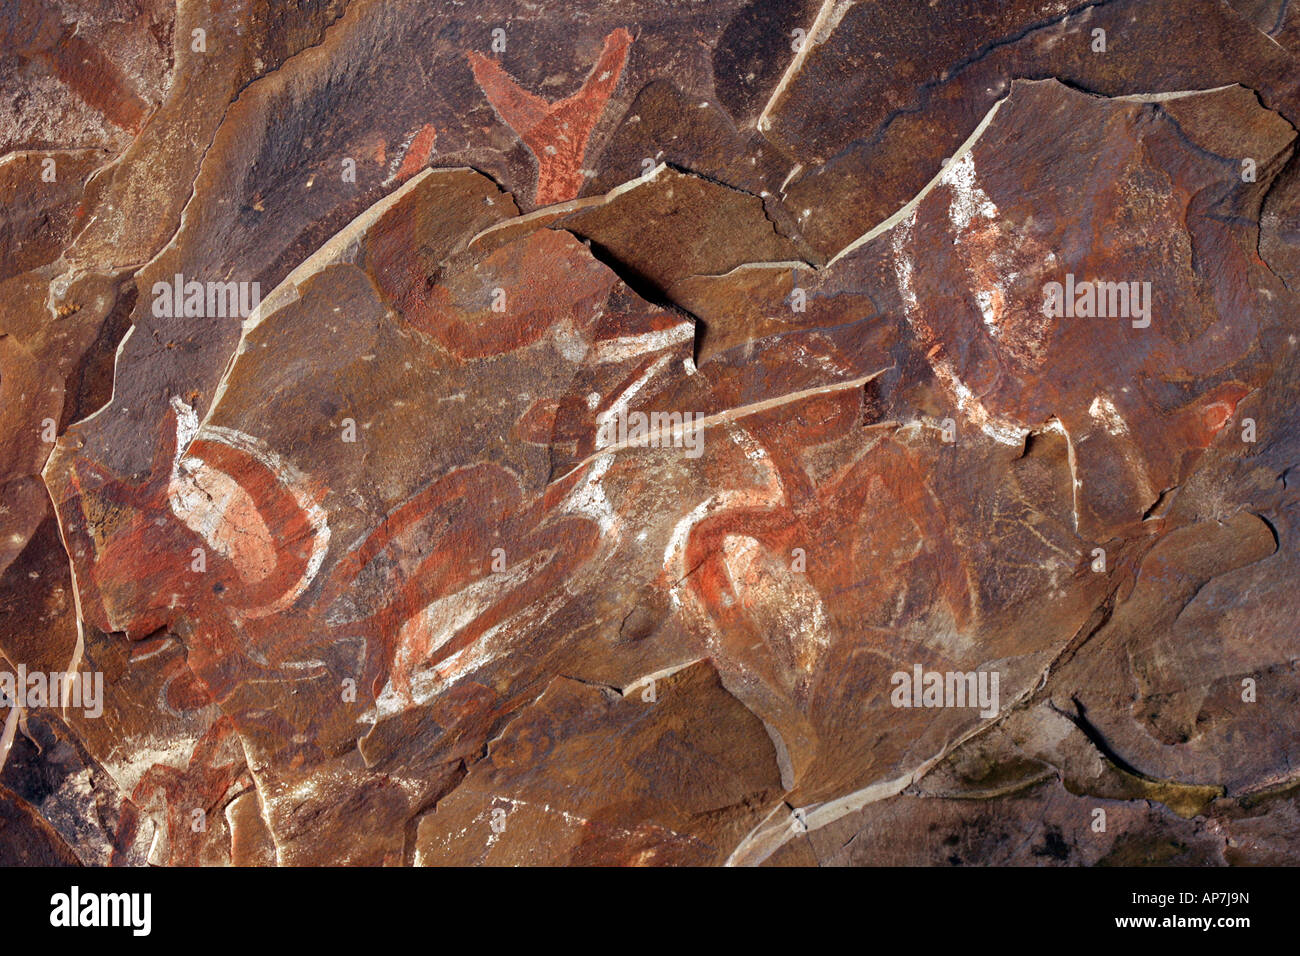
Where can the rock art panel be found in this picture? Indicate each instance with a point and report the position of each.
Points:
(742, 433)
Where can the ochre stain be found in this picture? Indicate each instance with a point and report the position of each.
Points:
(417, 154)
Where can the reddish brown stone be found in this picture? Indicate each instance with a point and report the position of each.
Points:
(373, 576)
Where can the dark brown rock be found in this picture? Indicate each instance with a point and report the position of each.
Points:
(377, 569)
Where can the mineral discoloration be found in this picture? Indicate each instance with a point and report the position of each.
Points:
(371, 580)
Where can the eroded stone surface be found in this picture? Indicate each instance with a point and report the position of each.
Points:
(372, 575)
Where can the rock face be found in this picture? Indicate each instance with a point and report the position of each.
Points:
(645, 433)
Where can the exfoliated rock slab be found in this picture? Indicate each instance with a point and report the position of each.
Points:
(862, 153)
(674, 777)
(1031, 794)
(1266, 833)
(670, 224)
(1043, 740)
(992, 319)
(26, 839)
(757, 300)
(1183, 680)
(1042, 826)
(47, 769)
